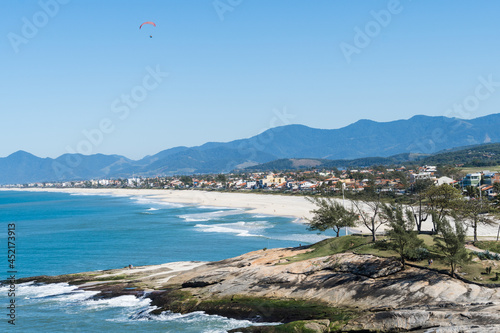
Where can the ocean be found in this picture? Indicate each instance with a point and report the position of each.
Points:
(61, 233)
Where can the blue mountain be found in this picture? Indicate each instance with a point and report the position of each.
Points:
(364, 138)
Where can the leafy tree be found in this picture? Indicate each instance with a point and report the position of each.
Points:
(418, 207)
(450, 171)
(472, 191)
(221, 178)
(451, 243)
(403, 237)
(368, 212)
(370, 188)
(358, 175)
(442, 200)
(422, 185)
(187, 180)
(330, 214)
(496, 199)
(401, 175)
(474, 212)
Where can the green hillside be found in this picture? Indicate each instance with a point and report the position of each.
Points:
(469, 156)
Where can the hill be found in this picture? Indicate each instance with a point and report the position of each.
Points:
(482, 155)
(361, 140)
(469, 156)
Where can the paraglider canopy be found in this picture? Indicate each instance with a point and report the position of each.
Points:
(152, 23)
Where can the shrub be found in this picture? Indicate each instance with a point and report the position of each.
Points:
(383, 245)
(420, 253)
(487, 255)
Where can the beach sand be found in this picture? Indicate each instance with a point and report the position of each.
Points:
(267, 204)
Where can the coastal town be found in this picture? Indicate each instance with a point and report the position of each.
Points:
(392, 182)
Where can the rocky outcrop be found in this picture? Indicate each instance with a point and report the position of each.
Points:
(344, 291)
(385, 297)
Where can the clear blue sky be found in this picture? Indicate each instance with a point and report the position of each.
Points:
(232, 68)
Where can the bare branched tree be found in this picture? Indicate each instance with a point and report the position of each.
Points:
(368, 212)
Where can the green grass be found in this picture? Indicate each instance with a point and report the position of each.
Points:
(492, 246)
(428, 240)
(283, 310)
(379, 248)
(175, 300)
(474, 270)
(330, 246)
(478, 169)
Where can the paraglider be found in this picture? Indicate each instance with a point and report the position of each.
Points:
(148, 22)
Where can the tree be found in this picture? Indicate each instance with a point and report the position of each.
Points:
(474, 212)
(419, 209)
(187, 180)
(330, 214)
(496, 199)
(370, 190)
(451, 243)
(221, 178)
(442, 199)
(472, 191)
(450, 171)
(368, 212)
(401, 233)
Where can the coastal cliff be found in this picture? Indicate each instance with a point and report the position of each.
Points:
(340, 292)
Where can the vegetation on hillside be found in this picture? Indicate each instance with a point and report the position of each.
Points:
(471, 156)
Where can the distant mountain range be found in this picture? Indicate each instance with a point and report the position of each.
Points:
(363, 139)
(484, 155)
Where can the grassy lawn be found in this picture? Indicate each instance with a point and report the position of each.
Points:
(478, 169)
(491, 246)
(332, 246)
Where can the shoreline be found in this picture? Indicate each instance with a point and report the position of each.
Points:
(275, 205)
(268, 286)
(296, 207)
(254, 203)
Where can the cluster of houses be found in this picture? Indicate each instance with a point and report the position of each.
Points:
(484, 181)
(395, 180)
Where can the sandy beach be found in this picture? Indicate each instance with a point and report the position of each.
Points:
(268, 204)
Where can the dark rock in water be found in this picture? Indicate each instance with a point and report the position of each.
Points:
(141, 315)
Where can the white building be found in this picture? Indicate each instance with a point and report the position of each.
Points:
(420, 176)
(134, 182)
(444, 180)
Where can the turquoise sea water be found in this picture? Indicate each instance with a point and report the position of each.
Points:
(60, 233)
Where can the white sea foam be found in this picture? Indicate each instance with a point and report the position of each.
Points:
(144, 200)
(84, 194)
(125, 301)
(75, 296)
(201, 317)
(152, 208)
(208, 216)
(261, 216)
(34, 290)
(299, 221)
(213, 207)
(61, 292)
(241, 228)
